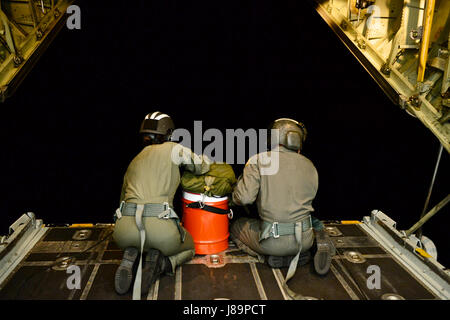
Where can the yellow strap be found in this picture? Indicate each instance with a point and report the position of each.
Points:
(423, 253)
(81, 225)
(350, 222)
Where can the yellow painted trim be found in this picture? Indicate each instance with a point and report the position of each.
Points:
(81, 225)
(350, 222)
(423, 253)
(424, 45)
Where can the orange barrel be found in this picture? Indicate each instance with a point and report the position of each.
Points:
(209, 230)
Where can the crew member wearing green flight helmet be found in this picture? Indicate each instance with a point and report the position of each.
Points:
(146, 221)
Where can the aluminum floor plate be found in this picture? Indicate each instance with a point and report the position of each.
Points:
(231, 275)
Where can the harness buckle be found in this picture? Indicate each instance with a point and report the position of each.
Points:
(274, 230)
(118, 214)
(201, 204)
(166, 213)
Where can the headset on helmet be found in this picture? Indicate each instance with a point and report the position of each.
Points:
(291, 134)
(158, 125)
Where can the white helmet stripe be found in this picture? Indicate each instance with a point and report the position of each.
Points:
(154, 114)
(287, 119)
(161, 116)
(151, 115)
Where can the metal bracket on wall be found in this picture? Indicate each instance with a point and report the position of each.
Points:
(391, 57)
(26, 29)
(407, 253)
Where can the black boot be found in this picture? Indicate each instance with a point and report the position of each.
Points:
(155, 265)
(124, 273)
(325, 250)
(282, 262)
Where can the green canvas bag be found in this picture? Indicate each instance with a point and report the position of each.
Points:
(218, 181)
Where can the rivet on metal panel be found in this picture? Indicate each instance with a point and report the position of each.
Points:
(75, 245)
(310, 298)
(354, 256)
(361, 44)
(333, 231)
(63, 263)
(215, 259)
(17, 60)
(82, 234)
(39, 34)
(391, 296)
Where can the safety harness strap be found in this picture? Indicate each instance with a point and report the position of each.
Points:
(140, 225)
(201, 205)
(293, 266)
(158, 210)
(275, 230)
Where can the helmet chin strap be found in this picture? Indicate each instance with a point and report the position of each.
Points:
(150, 139)
(169, 135)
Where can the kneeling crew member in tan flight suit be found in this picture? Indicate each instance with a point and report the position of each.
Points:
(284, 202)
(146, 221)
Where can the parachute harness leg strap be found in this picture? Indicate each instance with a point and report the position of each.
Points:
(140, 225)
(293, 266)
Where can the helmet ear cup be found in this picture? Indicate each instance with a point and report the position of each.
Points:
(293, 140)
(291, 134)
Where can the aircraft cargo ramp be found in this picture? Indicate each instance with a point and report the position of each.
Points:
(34, 262)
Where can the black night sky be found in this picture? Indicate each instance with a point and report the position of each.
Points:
(71, 128)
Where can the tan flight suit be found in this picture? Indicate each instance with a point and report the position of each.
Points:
(153, 176)
(284, 197)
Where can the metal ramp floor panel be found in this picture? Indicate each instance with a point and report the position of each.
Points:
(231, 274)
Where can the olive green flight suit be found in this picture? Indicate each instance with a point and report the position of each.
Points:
(284, 197)
(153, 176)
